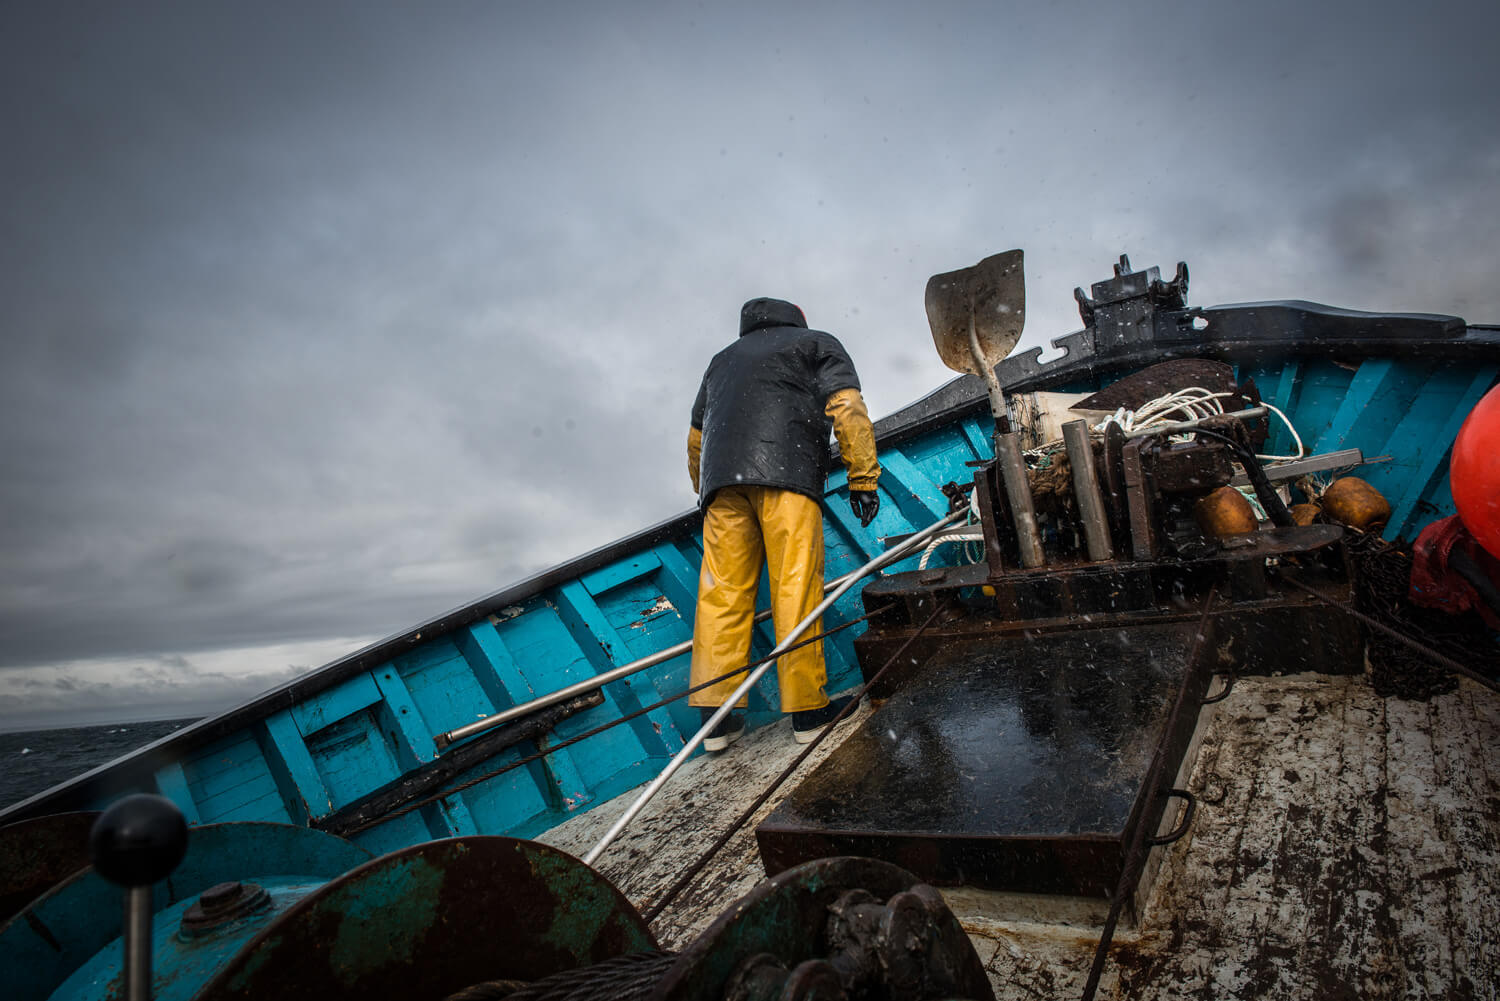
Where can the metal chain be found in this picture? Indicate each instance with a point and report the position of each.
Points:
(569, 742)
(697, 867)
(1386, 630)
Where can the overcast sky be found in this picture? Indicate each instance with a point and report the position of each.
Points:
(320, 319)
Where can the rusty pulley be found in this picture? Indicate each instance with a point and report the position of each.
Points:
(835, 928)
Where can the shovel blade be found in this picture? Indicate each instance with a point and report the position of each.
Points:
(991, 294)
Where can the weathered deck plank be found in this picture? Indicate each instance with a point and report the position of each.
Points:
(1345, 846)
(1380, 870)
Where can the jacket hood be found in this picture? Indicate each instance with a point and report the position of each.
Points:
(759, 313)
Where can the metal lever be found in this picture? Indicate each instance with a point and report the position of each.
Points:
(135, 843)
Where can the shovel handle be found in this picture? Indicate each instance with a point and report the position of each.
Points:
(999, 408)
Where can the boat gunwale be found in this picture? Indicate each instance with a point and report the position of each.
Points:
(953, 400)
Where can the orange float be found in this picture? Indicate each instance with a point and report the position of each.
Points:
(1474, 472)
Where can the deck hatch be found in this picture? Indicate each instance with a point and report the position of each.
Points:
(1009, 766)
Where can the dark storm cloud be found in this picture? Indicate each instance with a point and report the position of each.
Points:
(320, 319)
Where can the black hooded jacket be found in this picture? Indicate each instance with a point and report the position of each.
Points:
(761, 404)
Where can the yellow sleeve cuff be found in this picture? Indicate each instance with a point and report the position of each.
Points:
(856, 437)
(695, 454)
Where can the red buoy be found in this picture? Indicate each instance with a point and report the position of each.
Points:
(1474, 472)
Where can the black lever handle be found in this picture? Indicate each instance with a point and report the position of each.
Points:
(137, 842)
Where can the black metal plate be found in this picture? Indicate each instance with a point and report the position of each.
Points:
(1013, 765)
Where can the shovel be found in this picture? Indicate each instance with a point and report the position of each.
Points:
(976, 315)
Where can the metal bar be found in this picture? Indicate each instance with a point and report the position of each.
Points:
(446, 740)
(889, 556)
(138, 943)
(1086, 487)
(1018, 492)
(1178, 426)
(444, 768)
(1301, 467)
(693, 870)
(577, 738)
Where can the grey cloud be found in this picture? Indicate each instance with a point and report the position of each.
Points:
(320, 320)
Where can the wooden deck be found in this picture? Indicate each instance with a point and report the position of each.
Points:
(1345, 846)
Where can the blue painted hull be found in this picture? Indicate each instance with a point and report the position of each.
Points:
(305, 754)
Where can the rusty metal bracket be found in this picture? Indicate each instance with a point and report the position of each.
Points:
(1229, 680)
(1187, 818)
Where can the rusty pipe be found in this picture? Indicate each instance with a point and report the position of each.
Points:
(1018, 492)
(1086, 488)
(451, 737)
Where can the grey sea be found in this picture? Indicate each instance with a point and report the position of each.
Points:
(33, 761)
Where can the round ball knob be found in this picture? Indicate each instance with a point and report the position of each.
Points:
(139, 840)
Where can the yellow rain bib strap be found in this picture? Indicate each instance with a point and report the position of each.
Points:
(742, 526)
(856, 437)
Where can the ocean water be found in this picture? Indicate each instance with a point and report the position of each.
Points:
(33, 761)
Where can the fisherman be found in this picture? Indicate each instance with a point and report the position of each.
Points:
(756, 453)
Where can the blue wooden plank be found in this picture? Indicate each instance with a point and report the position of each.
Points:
(586, 623)
(453, 816)
(620, 572)
(398, 832)
(1434, 458)
(446, 691)
(224, 755)
(230, 804)
(224, 783)
(401, 711)
(1320, 391)
(487, 655)
(1284, 397)
(267, 807)
(862, 539)
(920, 499)
(678, 580)
(294, 761)
(354, 757)
(173, 784)
(979, 437)
(1377, 397)
(339, 702)
(1413, 434)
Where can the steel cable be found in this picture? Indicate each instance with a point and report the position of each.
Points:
(1387, 631)
(697, 867)
(569, 742)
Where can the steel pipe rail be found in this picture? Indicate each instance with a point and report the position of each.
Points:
(911, 544)
(448, 739)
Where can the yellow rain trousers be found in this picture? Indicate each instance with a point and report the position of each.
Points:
(742, 526)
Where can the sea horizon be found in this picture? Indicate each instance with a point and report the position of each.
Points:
(134, 715)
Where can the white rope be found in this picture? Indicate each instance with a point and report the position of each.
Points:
(1188, 404)
(964, 537)
(932, 546)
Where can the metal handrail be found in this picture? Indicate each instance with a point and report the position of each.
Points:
(911, 544)
(451, 737)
